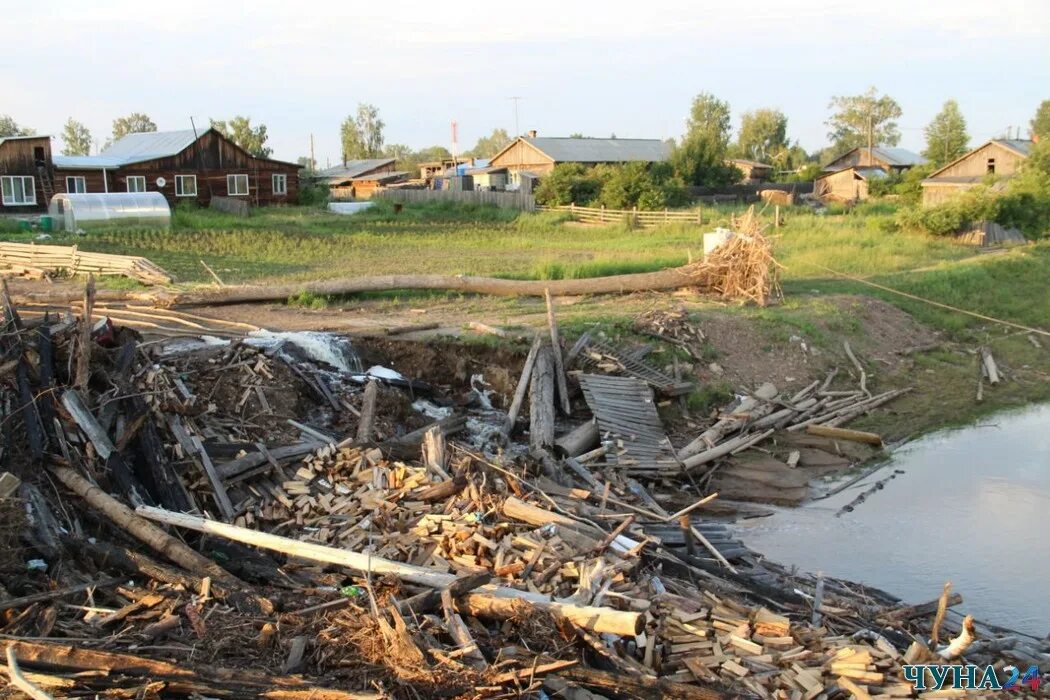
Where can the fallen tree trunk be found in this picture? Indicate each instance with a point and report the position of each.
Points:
(673, 278)
(607, 620)
(124, 518)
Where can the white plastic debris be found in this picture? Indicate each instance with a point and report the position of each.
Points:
(326, 348)
(720, 236)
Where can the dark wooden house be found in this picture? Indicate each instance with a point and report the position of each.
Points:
(181, 165)
(359, 179)
(25, 173)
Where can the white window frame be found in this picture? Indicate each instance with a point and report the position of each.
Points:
(283, 179)
(82, 189)
(9, 201)
(136, 178)
(230, 179)
(180, 186)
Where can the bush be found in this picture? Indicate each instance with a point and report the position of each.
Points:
(314, 195)
(568, 183)
(614, 186)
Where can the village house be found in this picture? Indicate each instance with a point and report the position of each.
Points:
(753, 172)
(891, 160)
(25, 173)
(359, 179)
(538, 155)
(181, 165)
(489, 178)
(998, 158)
(846, 185)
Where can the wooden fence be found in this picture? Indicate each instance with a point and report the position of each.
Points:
(503, 200)
(601, 215)
(30, 258)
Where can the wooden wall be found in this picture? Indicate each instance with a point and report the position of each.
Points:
(19, 157)
(934, 194)
(523, 156)
(211, 160)
(975, 164)
(841, 186)
(503, 200)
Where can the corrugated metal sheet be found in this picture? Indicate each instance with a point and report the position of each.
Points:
(569, 150)
(871, 173)
(87, 162)
(135, 148)
(20, 138)
(898, 156)
(352, 169)
(1022, 146)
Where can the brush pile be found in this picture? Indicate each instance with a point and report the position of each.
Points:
(265, 519)
(743, 268)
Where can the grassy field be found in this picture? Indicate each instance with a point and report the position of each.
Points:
(300, 244)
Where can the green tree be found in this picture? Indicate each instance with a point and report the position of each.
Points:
(700, 158)
(639, 185)
(763, 135)
(307, 163)
(946, 137)
(362, 135)
(241, 132)
(857, 116)
(1040, 124)
(134, 123)
(9, 127)
(77, 139)
(568, 183)
(578, 135)
(488, 146)
(398, 151)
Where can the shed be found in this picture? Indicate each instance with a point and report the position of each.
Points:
(88, 212)
(997, 159)
(753, 171)
(847, 185)
(889, 159)
(490, 178)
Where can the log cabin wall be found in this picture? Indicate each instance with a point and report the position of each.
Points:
(25, 156)
(210, 160)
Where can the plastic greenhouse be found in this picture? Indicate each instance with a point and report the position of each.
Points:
(87, 212)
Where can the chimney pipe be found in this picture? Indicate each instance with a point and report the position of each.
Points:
(532, 133)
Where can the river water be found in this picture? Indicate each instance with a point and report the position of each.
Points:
(972, 507)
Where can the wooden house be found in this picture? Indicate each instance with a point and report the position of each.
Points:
(359, 179)
(891, 160)
(431, 169)
(26, 178)
(846, 185)
(181, 165)
(998, 158)
(538, 155)
(753, 171)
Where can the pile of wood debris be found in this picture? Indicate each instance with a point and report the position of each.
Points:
(247, 519)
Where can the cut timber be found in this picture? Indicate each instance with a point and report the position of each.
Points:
(541, 401)
(179, 679)
(368, 412)
(597, 619)
(125, 519)
(582, 439)
(845, 434)
(84, 348)
(990, 368)
(559, 367)
(639, 686)
(523, 386)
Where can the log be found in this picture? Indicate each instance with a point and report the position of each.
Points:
(99, 666)
(441, 490)
(20, 681)
(84, 349)
(727, 447)
(639, 686)
(517, 509)
(845, 434)
(922, 609)
(146, 532)
(541, 401)
(368, 412)
(583, 438)
(559, 366)
(523, 385)
(13, 603)
(750, 409)
(597, 619)
(990, 368)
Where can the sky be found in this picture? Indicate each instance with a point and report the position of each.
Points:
(591, 67)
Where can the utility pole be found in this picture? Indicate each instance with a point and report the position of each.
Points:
(313, 163)
(517, 129)
(871, 135)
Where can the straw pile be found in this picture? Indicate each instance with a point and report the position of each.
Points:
(743, 267)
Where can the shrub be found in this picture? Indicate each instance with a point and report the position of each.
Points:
(568, 183)
(314, 195)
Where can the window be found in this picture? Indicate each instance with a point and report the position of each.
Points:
(991, 166)
(280, 184)
(237, 185)
(75, 184)
(185, 185)
(136, 183)
(18, 190)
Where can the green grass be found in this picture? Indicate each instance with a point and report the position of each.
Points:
(303, 243)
